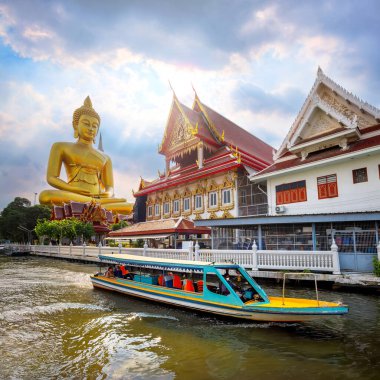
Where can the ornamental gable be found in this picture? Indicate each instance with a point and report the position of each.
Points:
(330, 116)
(179, 136)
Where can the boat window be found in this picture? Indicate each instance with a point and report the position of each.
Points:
(214, 284)
(240, 284)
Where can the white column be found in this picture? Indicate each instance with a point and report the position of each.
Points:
(200, 155)
(336, 264)
(254, 256)
(145, 247)
(191, 251)
(196, 251)
(100, 247)
(378, 251)
(120, 246)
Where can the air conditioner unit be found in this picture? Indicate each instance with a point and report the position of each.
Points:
(280, 209)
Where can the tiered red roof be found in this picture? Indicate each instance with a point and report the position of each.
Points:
(228, 146)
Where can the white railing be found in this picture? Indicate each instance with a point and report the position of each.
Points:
(242, 257)
(254, 259)
(316, 260)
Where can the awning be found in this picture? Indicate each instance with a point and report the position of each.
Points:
(135, 237)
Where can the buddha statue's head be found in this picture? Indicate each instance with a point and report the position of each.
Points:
(85, 110)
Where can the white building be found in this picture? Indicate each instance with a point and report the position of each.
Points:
(324, 182)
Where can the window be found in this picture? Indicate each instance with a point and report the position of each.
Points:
(186, 204)
(360, 175)
(157, 210)
(150, 210)
(176, 206)
(166, 208)
(215, 285)
(291, 193)
(327, 186)
(243, 197)
(226, 196)
(213, 199)
(198, 202)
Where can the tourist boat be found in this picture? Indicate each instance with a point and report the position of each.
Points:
(223, 289)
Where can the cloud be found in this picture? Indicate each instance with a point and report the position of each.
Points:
(253, 62)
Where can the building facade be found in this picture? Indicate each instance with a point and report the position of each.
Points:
(208, 158)
(323, 184)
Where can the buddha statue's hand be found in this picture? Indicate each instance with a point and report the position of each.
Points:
(79, 190)
(107, 193)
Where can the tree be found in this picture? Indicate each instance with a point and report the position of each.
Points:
(67, 228)
(48, 229)
(20, 213)
(118, 226)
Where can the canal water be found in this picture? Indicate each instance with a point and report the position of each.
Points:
(54, 325)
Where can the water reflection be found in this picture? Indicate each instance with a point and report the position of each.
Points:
(53, 324)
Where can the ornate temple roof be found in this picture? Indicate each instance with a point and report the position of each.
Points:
(228, 146)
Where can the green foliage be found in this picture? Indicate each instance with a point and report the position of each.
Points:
(139, 243)
(20, 213)
(118, 226)
(67, 228)
(376, 266)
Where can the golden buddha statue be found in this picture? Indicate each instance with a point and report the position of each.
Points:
(89, 171)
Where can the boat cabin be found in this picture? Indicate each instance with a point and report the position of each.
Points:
(224, 283)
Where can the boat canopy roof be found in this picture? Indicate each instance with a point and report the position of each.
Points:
(167, 264)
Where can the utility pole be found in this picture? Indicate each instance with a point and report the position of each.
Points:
(35, 197)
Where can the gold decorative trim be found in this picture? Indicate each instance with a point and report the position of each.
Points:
(226, 214)
(213, 215)
(235, 152)
(212, 186)
(198, 216)
(219, 137)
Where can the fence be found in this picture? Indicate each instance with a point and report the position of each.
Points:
(253, 259)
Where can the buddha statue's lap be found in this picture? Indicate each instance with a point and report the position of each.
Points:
(89, 171)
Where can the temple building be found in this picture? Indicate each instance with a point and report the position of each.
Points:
(324, 182)
(208, 158)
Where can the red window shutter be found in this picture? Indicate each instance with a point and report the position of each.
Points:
(322, 191)
(332, 189)
(279, 198)
(302, 195)
(294, 195)
(287, 196)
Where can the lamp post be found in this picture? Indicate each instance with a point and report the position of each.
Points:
(29, 232)
(35, 197)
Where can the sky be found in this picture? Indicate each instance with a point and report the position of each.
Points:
(252, 61)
